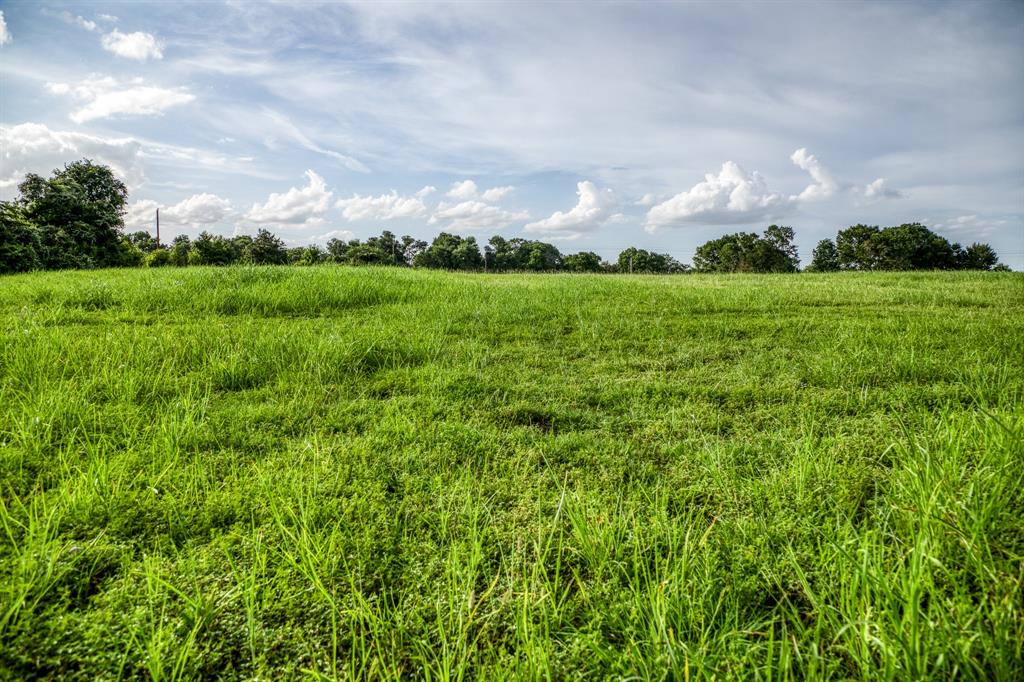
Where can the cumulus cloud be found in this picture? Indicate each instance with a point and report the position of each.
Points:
(734, 196)
(5, 35)
(824, 184)
(195, 211)
(139, 46)
(731, 196)
(877, 189)
(104, 97)
(296, 206)
(496, 193)
(462, 190)
(593, 209)
(384, 207)
(467, 190)
(473, 216)
(474, 210)
(35, 148)
(649, 199)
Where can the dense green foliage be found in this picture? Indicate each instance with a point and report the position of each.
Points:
(910, 246)
(71, 220)
(748, 252)
(273, 473)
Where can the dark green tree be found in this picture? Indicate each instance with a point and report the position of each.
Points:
(642, 261)
(747, 252)
(265, 249)
(80, 212)
(181, 247)
(584, 261)
(855, 247)
(19, 240)
(211, 249)
(825, 257)
(978, 257)
(142, 240)
(451, 252)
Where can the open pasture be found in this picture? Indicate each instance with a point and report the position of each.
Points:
(359, 473)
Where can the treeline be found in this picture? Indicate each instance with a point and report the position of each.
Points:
(75, 219)
(910, 246)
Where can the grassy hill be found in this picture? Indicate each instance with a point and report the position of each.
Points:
(374, 473)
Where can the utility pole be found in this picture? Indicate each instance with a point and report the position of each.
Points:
(158, 227)
(631, 264)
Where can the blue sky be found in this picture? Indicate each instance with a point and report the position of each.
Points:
(593, 125)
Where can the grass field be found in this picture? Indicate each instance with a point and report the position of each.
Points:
(375, 473)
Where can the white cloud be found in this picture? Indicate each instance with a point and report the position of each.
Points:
(384, 207)
(105, 97)
(473, 216)
(296, 206)
(195, 211)
(109, 18)
(429, 189)
(649, 199)
(467, 190)
(343, 235)
(731, 196)
(140, 46)
(69, 18)
(824, 184)
(968, 225)
(35, 148)
(462, 190)
(5, 35)
(593, 209)
(877, 189)
(497, 193)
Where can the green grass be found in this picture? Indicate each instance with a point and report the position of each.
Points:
(373, 473)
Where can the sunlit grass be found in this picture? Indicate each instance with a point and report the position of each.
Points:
(264, 473)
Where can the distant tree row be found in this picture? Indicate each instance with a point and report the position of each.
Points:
(910, 246)
(75, 219)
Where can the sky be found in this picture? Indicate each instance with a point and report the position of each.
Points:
(595, 126)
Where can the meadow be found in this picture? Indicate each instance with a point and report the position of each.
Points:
(378, 473)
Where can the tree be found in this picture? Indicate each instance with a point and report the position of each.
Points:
(306, 255)
(180, 249)
(142, 240)
(451, 252)
(584, 261)
(747, 252)
(825, 257)
(158, 258)
(854, 247)
(337, 250)
(978, 257)
(80, 213)
(641, 261)
(210, 249)
(910, 246)
(265, 249)
(19, 240)
(781, 237)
